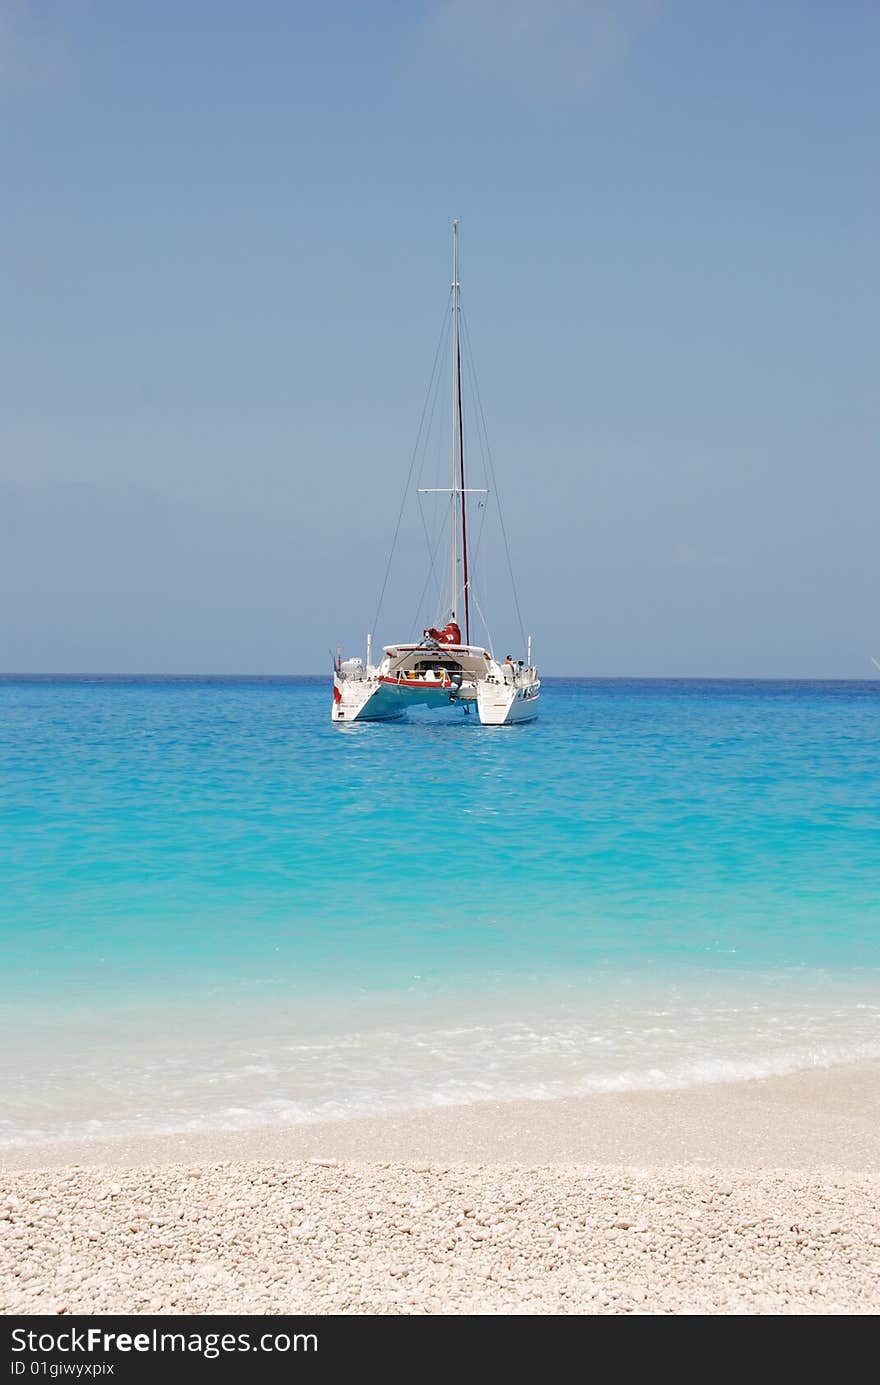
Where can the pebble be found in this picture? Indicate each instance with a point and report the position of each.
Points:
(262, 1237)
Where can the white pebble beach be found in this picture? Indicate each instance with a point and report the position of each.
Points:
(749, 1197)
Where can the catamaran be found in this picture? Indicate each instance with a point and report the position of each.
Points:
(442, 669)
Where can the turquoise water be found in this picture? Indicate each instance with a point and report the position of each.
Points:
(218, 909)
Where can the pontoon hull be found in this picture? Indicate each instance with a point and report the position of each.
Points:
(386, 699)
(506, 706)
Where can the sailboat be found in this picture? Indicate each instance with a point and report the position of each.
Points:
(442, 670)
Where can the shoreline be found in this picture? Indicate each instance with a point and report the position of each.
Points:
(759, 1197)
(810, 1119)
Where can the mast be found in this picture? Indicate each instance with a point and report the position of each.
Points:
(453, 513)
(459, 495)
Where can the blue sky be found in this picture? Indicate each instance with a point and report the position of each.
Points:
(224, 261)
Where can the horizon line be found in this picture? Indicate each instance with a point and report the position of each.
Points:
(119, 675)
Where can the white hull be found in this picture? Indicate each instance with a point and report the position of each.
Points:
(506, 706)
(413, 676)
(374, 700)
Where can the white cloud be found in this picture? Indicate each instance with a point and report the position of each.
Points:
(537, 49)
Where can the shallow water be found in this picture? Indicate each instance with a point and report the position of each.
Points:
(217, 909)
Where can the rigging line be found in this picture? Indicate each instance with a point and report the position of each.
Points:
(431, 570)
(482, 433)
(482, 418)
(475, 559)
(432, 544)
(435, 383)
(482, 441)
(472, 381)
(483, 506)
(485, 622)
(411, 466)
